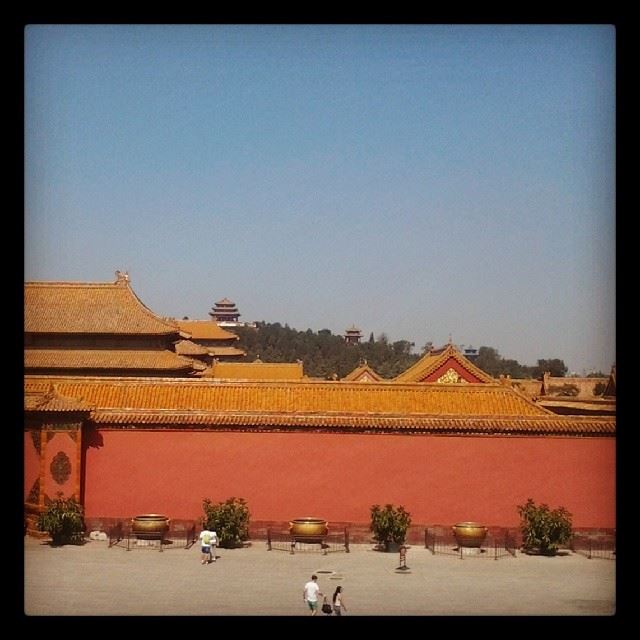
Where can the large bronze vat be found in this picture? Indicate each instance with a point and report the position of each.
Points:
(469, 534)
(308, 529)
(150, 526)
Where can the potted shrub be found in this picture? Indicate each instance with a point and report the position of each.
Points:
(543, 530)
(389, 526)
(229, 519)
(62, 520)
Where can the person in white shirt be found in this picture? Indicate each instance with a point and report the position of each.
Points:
(310, 594)
(208, 543)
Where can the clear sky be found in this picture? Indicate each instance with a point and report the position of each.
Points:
(418, 180)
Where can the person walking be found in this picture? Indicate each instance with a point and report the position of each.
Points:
(310, 594)
(338, 602)
(205, 538)
(213, 545)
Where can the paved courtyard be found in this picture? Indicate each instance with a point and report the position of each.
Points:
(94, 580)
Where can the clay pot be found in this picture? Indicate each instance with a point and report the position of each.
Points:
(150, 526)
(469, 534)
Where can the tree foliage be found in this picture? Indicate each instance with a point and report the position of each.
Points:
(328, 356)
(389, 524)
(63, 521)
(544, 530)
(229, 519)
(323, 354)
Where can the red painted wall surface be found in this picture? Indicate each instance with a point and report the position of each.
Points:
(439, 479)
(31, 462)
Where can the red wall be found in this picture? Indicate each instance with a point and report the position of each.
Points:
(439, 479)
(60, 442)
(31, 462)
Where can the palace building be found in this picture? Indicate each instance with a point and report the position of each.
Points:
(444, 439)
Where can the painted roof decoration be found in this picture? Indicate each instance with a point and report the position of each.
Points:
(445, 366)
(90, 308)
(381, 407)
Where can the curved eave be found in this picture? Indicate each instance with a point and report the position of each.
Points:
(442, 425)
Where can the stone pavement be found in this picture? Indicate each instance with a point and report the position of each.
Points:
(94, 580)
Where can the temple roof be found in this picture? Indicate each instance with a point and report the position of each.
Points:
(188, 348)
(226, 351)
(52, 401)
(205, 330)
(438, 408)
(225, 302)
(107, 359)
(434, 360)
(256, 370)
(89, 308)
(363, 373)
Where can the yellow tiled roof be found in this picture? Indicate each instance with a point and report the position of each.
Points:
(205, 330)
(257, 370)
(188, 348)
(53, 401)
(434, 360)
(106, 359)
(363, 373)
(89, 308)
(476, 408)
(226, 351)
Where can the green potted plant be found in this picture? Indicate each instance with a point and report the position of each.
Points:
(389, 526)
(63, 521)
(229, 519)
(543, 530)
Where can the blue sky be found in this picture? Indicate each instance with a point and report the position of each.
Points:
(415, 180)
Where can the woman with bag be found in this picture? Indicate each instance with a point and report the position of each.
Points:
(326, 607)
(338, 602)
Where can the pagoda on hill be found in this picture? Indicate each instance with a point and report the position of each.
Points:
(352, 335)
(225, 313)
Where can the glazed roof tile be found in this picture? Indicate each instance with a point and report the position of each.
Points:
(89, 308)
(53, 401)
(205, 330)
(363, 373)
(437, 408)
(257, 370)
(188, 348)
(433, 360)
(226, 351)
(106, 359)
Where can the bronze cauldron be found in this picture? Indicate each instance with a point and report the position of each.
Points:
(150, 526)
(469, 534)
(308, 529)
